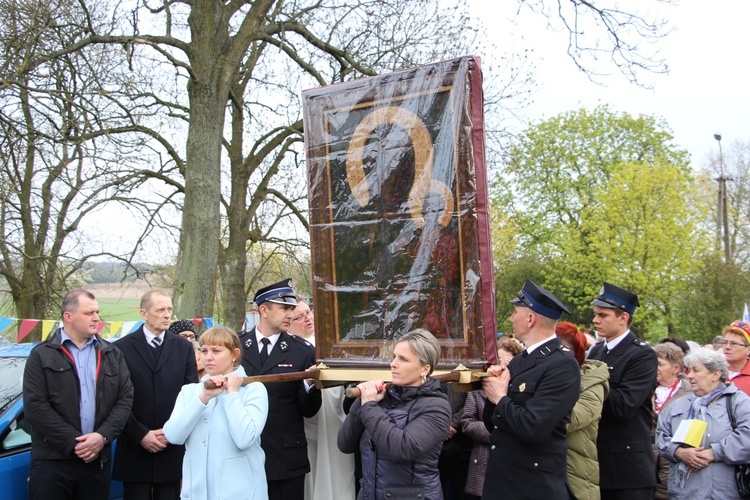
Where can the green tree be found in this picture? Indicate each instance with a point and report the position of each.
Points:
(601, 196)
(713, 298)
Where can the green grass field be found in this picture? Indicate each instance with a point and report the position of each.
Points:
(119, 309)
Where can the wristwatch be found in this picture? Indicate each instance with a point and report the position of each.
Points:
(106, 441)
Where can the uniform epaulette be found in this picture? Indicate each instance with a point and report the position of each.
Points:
(641, 343)
(302, 341)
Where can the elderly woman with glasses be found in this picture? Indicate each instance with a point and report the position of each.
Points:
(707, 470)
(736, 348)
(183, 328)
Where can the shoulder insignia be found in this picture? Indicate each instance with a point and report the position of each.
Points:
(284, 346)
(301, 340)
(249, 342)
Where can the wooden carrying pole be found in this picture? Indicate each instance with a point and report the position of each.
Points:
(313, 373)
(338, 377)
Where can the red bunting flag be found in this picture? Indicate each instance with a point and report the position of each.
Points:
(100, 325)
(25, 328)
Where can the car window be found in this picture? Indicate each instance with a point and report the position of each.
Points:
(11, 376)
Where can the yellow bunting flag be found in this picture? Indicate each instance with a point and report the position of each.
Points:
(48, 325)
(114, 329)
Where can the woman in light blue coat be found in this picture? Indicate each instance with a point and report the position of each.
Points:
(706, 471)
(221, 427)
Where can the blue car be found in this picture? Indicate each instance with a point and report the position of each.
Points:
(15, 437)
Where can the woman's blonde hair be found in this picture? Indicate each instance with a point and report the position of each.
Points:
(222, 336)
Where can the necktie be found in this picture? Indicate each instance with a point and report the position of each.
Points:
(156, 341)
(264, 351)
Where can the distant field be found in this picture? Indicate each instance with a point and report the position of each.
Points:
(123, 309)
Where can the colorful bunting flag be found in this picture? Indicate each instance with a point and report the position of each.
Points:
(107, 329)
(48, 326)
(5, 323)
(26, 326)
(114, 330)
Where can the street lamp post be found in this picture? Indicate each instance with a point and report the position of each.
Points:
(723, 221)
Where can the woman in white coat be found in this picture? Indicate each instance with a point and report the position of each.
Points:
(221, 427)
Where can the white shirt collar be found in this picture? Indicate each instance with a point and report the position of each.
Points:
(531, 348)
(150, 336)
(611, 344)
(272, 338)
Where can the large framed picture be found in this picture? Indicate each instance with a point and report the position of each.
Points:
(399, 221)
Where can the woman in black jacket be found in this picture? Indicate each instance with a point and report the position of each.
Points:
(400, 430)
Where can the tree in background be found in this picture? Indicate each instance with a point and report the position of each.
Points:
(173, 70)
(68, 148)
(717, 294)
(601, 196)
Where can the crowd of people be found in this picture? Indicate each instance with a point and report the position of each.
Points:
(561, 415)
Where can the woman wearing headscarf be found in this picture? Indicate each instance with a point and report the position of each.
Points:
(583, 429)
(400, 430)
(706, 471)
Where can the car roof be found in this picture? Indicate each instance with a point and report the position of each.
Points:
(15, 350)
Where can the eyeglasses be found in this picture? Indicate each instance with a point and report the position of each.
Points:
(308, 314)
(189, 336)
(730, 344)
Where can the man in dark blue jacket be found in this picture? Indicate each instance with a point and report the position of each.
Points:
(266, 349)
(627, 469)
(77, 397)
(529, 403)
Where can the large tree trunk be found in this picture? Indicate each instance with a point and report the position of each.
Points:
(215, 58)
(194, 291)
(196, 277)
(234, 260)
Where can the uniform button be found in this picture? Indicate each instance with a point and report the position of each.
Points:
(495, 427)
(536, 464)
(204, 443)
(627, 447)
(205, 420)
(492, 447)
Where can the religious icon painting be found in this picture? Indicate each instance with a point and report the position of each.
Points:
(399, 214)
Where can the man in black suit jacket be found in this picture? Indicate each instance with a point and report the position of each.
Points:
(266, 349)
(160, 363)
(626, 461)
(529, 402)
